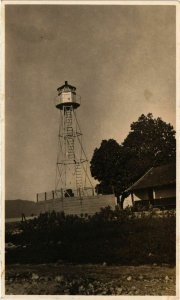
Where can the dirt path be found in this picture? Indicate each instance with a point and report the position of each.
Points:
(68, 279)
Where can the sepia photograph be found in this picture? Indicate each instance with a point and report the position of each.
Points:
(90, 149)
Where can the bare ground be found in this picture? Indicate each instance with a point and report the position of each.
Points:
(69, 279)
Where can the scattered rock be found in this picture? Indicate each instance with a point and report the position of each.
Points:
(111, 290)
(165, 265)
(138, 283)
(45, 278)
(119, 290)
(104, 264)
(81, 289)
(10, 246)
(154, 264)
(67, 292)
(104, 292)
(35, 276)
(59, 278)
(129, 278)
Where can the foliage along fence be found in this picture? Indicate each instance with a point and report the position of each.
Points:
(114, 237)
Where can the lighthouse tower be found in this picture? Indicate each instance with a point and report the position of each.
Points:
(72, 170)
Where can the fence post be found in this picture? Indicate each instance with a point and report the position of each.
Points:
(61, 193)
(37, 197)
(45, 196)
(79, 193)
(132, 198)
(93, 191)
(62, 198)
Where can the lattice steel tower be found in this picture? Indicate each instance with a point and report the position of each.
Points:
(72, 169)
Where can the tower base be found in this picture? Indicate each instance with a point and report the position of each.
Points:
(87, 205)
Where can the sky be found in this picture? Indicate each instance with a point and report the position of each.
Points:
(121, 60)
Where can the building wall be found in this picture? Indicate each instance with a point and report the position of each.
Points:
(141, 195)
(158, 193)
(165, 192)
(76, 206)
(127, 202)
(162, 196)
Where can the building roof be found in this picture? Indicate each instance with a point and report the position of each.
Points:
(67, 85)
(156, 176)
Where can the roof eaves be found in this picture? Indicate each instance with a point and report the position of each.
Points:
(134, 184)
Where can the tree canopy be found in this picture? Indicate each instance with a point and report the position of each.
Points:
(105, 165)
(150, 142)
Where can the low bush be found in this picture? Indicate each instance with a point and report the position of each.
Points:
(114, 237)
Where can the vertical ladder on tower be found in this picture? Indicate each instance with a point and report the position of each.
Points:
(79, 181)
(69, 133)
(70, 149)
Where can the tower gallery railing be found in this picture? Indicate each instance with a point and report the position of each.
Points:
(65, 193)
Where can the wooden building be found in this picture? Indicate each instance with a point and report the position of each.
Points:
(157, 187)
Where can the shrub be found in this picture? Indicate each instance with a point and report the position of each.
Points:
(117, 237)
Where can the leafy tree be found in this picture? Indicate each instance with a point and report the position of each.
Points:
(105, 165)
(150, 142)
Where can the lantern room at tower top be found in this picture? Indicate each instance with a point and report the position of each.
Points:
(67, 97)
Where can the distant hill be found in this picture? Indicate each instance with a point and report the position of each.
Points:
(15, 208)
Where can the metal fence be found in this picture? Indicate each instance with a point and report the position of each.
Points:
(64, 193)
